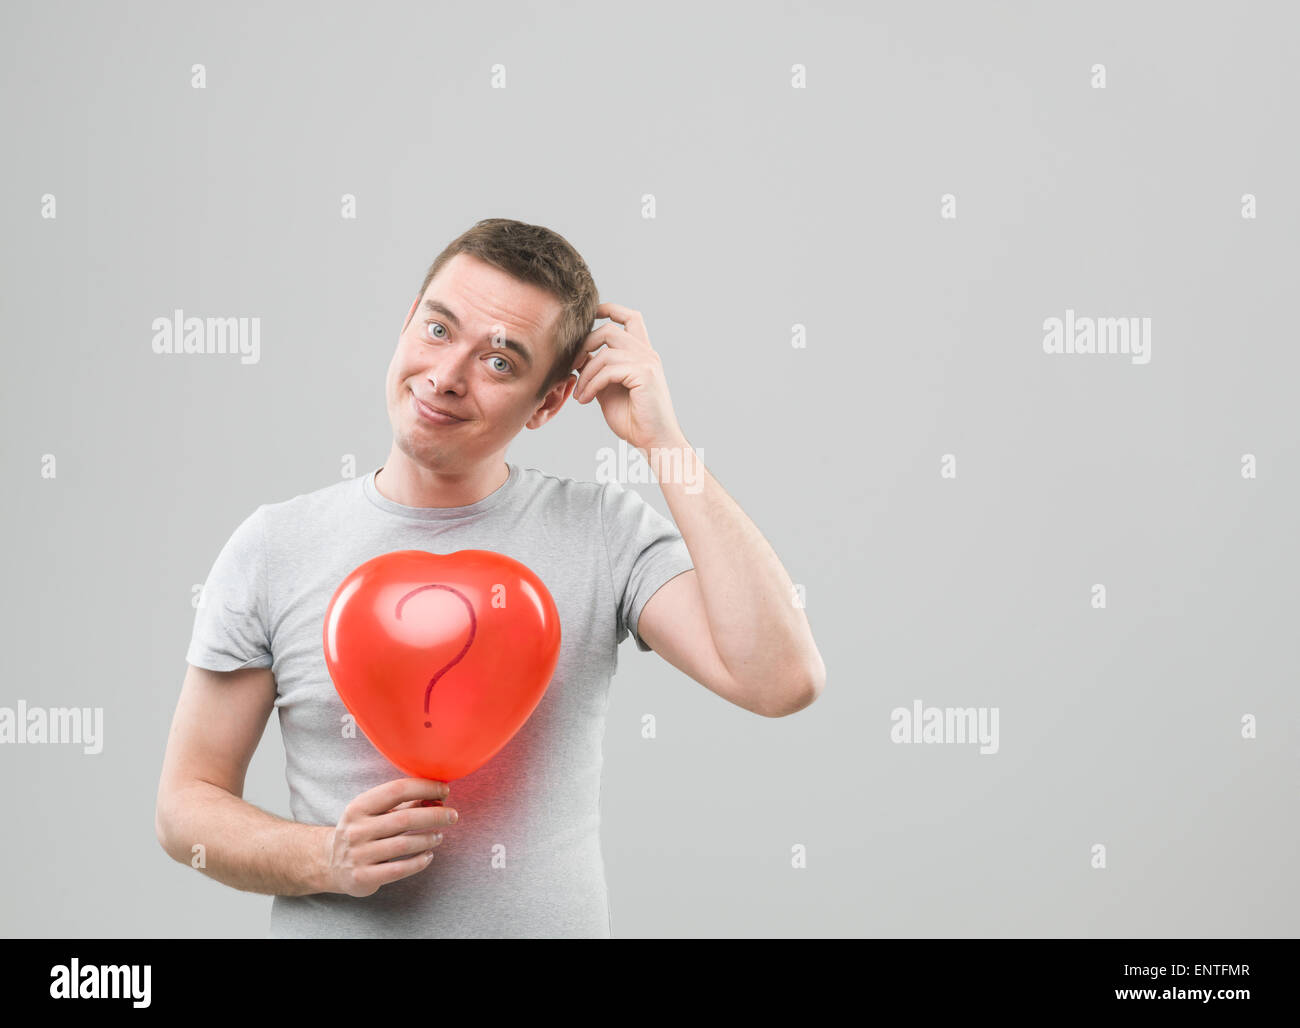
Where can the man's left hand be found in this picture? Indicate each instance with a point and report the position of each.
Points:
(627, 378)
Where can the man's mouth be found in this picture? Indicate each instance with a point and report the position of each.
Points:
(433, 415)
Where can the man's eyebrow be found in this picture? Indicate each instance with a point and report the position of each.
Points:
(437, 307)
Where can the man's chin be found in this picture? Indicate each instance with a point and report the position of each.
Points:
(431, 457)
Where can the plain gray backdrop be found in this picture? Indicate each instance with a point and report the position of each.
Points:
(775, 206)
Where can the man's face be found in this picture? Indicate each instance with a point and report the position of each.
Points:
(456, 334)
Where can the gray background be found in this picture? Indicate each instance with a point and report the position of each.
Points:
(776, 206)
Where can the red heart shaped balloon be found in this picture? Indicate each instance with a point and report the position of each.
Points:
(441, 658)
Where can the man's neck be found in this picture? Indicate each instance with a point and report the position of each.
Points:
(413, 485)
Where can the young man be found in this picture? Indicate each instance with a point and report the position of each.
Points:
(489, 346)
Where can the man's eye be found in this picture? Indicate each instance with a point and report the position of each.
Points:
(507, 364)
(437, 324)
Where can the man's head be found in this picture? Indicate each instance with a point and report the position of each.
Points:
(492, 337)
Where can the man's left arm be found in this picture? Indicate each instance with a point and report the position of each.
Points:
(735, 612)
(731, 623)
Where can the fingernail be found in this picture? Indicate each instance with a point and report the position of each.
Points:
(454, 817)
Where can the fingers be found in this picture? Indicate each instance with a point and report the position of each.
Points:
(385, 797)
(389, 832)
(630, 320)
(599, 337)
(612, 335)
(399, 847)
(588, 373)
(374, 876)
(403, 839)
(417, 803)
(605, 376)
(411, 820)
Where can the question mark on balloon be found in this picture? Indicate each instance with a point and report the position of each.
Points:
(473, 629)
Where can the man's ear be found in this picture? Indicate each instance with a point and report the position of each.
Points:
(552, 402)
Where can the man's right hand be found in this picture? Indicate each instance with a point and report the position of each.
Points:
(386, 833)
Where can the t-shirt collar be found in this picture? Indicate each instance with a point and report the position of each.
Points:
(492, 499)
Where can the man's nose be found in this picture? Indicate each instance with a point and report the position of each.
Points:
(447, 373)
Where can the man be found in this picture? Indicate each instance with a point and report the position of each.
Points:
(490, 345)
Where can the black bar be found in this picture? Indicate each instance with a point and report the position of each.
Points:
(923, 976)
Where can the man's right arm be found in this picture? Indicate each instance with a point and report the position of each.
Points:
(219, 721)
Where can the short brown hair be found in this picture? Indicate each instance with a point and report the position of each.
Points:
(542, 258)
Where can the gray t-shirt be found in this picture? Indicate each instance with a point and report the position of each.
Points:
(601, 550)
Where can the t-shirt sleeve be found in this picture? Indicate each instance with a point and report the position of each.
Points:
(645, 551)
(230, 624)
